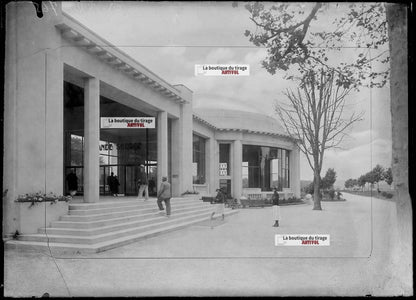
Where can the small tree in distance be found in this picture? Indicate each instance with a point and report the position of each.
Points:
(329, 179)
(377, 174)
(388, 176)
(362, 180)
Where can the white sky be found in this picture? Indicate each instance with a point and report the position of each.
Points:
(213, 33)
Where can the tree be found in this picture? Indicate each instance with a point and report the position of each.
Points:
(349, 183)
(397, 17)
(377, 174)
(286, 31)
(314, 116)
(362, 180)
(370, 177)
(329, 179)
(388, 176)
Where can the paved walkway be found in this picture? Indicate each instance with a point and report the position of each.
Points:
(236, 257)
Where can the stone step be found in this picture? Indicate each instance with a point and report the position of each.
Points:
(99, 238)
(118, 203)
(72, 248)
(134, 205)
(116, 214)
(117, 220)
(134, 222)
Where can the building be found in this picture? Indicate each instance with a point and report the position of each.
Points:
(63, 82)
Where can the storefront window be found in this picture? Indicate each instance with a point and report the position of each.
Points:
(76, 150)
(198, 165)
(265, 167)
(224, 160)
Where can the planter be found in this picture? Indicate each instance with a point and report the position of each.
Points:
(31, 218)
(255, 202)
(208, 199)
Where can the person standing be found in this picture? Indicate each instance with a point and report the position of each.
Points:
(219, 204)
(276, 208)
(164, 195)
(143, 184)
(72, 180)
(110, 182)
(116, 184)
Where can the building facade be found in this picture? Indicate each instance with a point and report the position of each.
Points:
(63, 81)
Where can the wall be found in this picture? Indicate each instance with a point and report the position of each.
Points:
(33, 152)
(211, 157)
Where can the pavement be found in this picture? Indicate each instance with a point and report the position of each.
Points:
(234, 257)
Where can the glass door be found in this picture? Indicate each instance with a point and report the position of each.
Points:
(131, 175)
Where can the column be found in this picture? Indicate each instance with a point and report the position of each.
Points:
(186, 147)
(176, 158)
(237, 169)
(294, 169)
(91, 140)
(162, 146)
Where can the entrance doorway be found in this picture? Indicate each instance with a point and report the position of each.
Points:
(127, 176)
(121, 151)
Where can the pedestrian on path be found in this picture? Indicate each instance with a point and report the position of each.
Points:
(276, 208)
(143, 184)
(164, 195)
(219, 204)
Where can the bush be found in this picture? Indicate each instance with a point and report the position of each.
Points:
(331, 193)
(387, 195)
(190, 193)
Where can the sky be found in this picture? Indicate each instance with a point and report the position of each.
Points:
(169, 38)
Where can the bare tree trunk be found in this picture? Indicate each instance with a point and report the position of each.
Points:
(397, 26)
(316, 192)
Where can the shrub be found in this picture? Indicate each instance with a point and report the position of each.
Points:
(190, 193)
(331, 193)
(387, 195)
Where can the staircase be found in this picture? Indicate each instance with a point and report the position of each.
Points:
(96, 227)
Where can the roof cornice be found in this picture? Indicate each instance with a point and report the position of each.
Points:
(83, 37)
(203, 121)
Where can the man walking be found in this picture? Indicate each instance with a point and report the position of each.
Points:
(143, 184)
(164, 195)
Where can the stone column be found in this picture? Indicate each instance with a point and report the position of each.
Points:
(294, 170)
(237, 169)
(162, 146)
(211, 165)
(91, 140)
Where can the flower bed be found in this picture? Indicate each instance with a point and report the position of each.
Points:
(268, 202)
(39, 210)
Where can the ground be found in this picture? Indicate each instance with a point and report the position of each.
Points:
(236, 257)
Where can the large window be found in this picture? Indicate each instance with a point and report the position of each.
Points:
(108, 153)
(198, 165)
(265, 167)
(224, 169)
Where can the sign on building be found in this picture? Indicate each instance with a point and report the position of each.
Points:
(223, 169)
(128, 122)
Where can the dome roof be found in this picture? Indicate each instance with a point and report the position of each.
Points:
(226, 119)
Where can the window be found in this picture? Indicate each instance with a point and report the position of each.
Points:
(265, 167)
(198, 170)
(224, 169)
(76, 150)
(108, 153)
